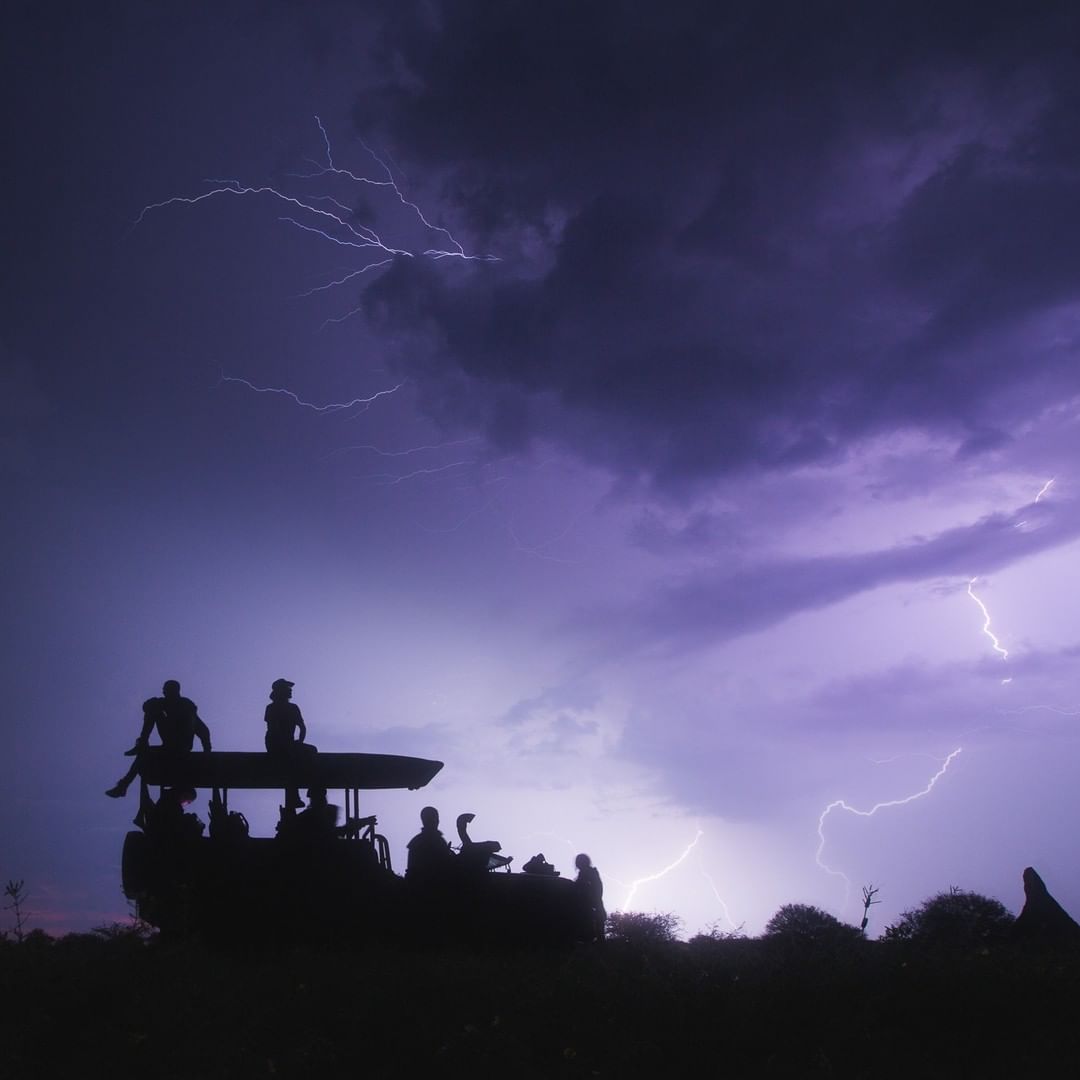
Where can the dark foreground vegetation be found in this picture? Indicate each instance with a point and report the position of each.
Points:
(802, 1001)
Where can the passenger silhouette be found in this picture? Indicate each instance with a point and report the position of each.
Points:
(429, 851)
(286, 732)
(592, 891)
(178, 723)
(167, 820)
(319, 821)
(479, 854)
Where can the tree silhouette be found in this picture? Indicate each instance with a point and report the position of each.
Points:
(16, 892)
(805, 925)
(953, 920)
(640, 929)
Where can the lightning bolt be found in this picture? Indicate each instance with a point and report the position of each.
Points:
(840, 804)
(720, 900)
(393, 479)
(331, 407)
(329, 219)
(898, 757)
(332, 221)
(401, 453)
(986, 622)
(634, 885)
(1045, 488)
(1056, 709)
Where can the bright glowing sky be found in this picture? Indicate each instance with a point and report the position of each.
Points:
(779, 350)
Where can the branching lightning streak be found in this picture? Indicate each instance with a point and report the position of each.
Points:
(840, 804)
(660, 873)
(331, 407)
(898, 757)
(986, 623)
(392, 480)
(554, 836)
(401, 453)
(1056, 709)
(333, 221)
(343, 281)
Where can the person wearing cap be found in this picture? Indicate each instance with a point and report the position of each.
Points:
(178, 723)
(285, 731)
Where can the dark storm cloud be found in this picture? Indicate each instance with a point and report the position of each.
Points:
(736, 239)
(709, 607)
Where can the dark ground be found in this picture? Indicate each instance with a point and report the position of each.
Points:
(727, 1008)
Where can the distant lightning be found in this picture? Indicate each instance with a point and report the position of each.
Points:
(1056, 709)
(898, 757)
(986, 622)
(1038, 498)
(333, 221)
(554, 836)
(393, 479)
(328, 218)
(634, 885)
(338, 282)
(720, 900)
(840, 804)
(331, 407)
(401, 453)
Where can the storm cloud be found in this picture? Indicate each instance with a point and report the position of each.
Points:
(735, 242)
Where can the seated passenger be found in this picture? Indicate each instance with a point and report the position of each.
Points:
(319, 821)
(166, 819)
(286, 732)
(178, 723)
(429, 852)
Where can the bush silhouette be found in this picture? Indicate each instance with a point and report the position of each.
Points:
(953, 920)
(640, 929)
(806, 925)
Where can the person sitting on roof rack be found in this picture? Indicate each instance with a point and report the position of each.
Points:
(178, 722)
(479, 854)
(286, 732)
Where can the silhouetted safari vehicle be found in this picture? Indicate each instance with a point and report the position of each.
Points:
(315, 880)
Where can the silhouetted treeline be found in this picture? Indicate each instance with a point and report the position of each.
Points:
(640, 1004)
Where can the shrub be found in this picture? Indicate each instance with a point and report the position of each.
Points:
(805, 925)
(953, 920)
(638, 928)
(715, 932)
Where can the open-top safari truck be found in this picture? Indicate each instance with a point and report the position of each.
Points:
(331, 882)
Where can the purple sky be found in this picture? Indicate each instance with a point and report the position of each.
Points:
(664, 538)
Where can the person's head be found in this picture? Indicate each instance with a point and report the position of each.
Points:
(316, 796)
(583, 862)
(171, 689)
(429, 817)
(281, 690)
